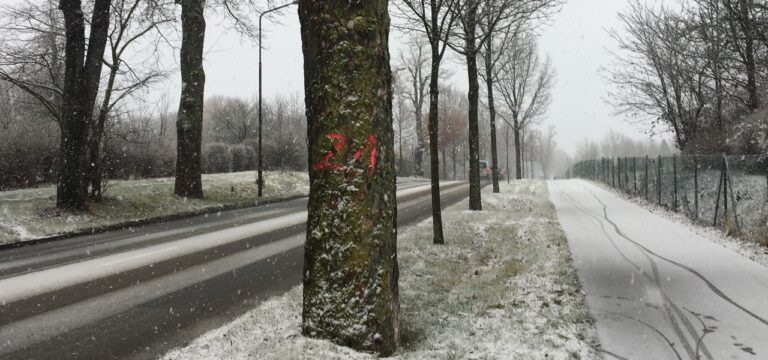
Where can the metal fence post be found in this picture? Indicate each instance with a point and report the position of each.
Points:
(646, 177)
(719, 194)
(729, 188)
(658, 180)
(674, 170)
(634, 172)
(626, 174)
(725, 190)
(696, 186)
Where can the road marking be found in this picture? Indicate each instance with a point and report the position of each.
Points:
(41, 327)
(41, 282)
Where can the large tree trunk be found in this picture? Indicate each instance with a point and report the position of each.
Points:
(475, 201)
(81, 83)
(351, 292)
(492, 115)
(189, 124)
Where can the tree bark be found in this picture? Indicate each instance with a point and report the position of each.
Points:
(475, 201)
(434, 162)
(518, 153)
(506, 146)
(97, 139)
(81, 83)
(749, 54)
(351, 294)
(418, 106)
(189, 124)
(454, 154)
(492, 115)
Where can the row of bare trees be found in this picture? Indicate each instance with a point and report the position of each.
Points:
(698, 71)
(482, 32)
(82, 83)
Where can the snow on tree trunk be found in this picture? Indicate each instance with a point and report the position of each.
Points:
(189, 124)
(475, 200)
(350, 266)
(492, 115)
(434, 162)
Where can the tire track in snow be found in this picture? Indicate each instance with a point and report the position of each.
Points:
(668, 305)
(709, 284)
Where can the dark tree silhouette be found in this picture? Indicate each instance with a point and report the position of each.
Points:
(189, 124)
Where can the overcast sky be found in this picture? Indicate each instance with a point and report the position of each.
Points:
(575, 38)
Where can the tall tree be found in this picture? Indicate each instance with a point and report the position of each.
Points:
(82, 73)
(132, 21)
(351, 294)
(479, 20)
(189, 123)
(494, 48)
(656, 76)
(436, 18)
(415, 62)
(525, 85)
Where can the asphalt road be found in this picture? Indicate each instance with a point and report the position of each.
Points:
(656, 288)
(136, 293)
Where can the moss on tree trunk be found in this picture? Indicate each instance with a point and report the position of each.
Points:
(350, 269)
(189, 123)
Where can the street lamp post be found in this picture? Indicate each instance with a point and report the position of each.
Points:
(261, 157)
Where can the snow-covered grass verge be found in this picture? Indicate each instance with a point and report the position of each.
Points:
(30, 214)
(747, 246)
(502, 288)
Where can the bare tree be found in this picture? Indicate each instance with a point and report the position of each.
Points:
(479, 20)
(189, 122)
(525, 85)
(82, 73)
(132, 20)
(494, 49)
(655, 76)
(286, 146)
(32, 52)
(231, 118)
(546, 150)
(435, 19)
(62, 73)
(587, 149)
(415, 62)
(403, 125)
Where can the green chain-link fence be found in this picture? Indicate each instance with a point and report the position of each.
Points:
(727, 191)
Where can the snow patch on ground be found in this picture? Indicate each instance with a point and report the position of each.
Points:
(501, 288)
(31, 214)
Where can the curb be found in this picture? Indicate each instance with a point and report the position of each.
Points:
(142, 222)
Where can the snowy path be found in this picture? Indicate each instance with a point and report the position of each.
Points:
(658, 290)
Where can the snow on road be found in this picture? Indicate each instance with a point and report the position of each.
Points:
(658, 289)
(502, 287)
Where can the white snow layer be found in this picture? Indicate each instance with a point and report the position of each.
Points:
(501, 288)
